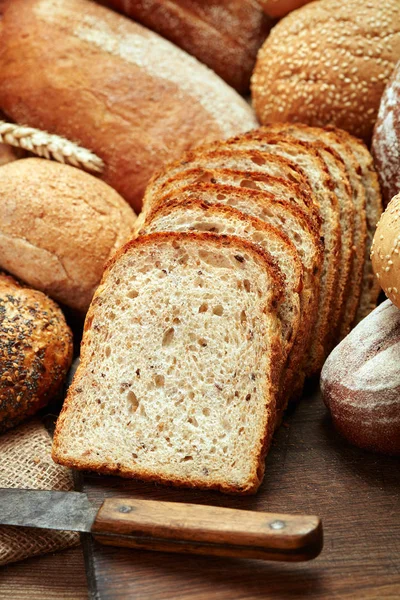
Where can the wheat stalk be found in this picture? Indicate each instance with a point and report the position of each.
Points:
(48, 145)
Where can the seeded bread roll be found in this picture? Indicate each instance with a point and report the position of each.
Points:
(385, 251)
(225, 35)
(116, 88)
(386, 139)
(35, 351)
(328, 63)
(58, 228)
(361, 384)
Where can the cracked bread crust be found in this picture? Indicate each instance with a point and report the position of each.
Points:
(35, 351)
(71, 449)
(58, 227)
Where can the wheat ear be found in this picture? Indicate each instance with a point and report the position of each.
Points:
(48, 145)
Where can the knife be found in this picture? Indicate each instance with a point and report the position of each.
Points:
(167, 526)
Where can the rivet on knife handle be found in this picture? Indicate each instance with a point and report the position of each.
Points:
(196, 529)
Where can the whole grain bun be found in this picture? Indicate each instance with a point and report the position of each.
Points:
(328, 63)
(58, 228)
(116, 88)
(35, 351)
(385, 251)
(225, 35)
(360, 382)
(280, 8)
(386, 139)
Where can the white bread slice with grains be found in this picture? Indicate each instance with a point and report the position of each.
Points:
(181, 354)
(295, 224)
(195, 215)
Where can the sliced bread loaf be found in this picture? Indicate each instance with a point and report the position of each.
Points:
(180, 355)
(195, 215)
(295, 224)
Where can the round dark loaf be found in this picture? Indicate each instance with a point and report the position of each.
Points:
(35, 351)
(360, 382)
(386, 139)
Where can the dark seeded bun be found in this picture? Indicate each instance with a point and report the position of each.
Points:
(328, 63)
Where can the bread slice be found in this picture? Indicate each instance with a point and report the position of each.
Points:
(195, 215)
(370, 286)
(294, 224)
(181, 349)
(305, 157)
(282, 188)
(343, 191)
(216, 156)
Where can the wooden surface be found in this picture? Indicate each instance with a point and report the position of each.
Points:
(310, 470)
(58, 576)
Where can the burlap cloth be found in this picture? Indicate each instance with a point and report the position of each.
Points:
(25, 462)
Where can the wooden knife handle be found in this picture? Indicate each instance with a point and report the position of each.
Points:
(196, 529)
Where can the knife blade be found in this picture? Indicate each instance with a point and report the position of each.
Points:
(167, 526)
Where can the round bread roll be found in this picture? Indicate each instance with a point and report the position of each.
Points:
(280, 8)
(360, 382)
(385, 251)
(7, 154)
(386, 139)
(58, 228)
(35, 351)
(328, 63)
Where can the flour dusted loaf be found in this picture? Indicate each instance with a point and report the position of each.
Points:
(58, 227)
(35, 351)
(386, 139)
(361, 382)
(181, 355)
(328, 63)
(223, 34)
(80, 70)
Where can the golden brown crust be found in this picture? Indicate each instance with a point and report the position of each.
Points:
(58, 227)
(280, 8)
(99, 79)
(328, 63)
(223, 34)
(276, 362)
(35, 351)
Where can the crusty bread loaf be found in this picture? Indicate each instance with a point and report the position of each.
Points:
(225, 35)
(386, 249)
(35, 351)
(361, 385)
(180, 355)
(280, 8)
(386, 138)
(58, 227)
(7, 154)
(295, 224)
(116, 88)
(197, 215)
(328, 63)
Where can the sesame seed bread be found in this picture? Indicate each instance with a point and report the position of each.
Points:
(295, 224)
(225, 35)
(180, 355)
(35, 351)
(332, 155)
(195, 215)
(102, 80)
(373, 207)
(58, 227)
(328, 63)
(305, 157)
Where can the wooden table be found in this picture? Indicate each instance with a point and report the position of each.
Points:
(310, 469)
